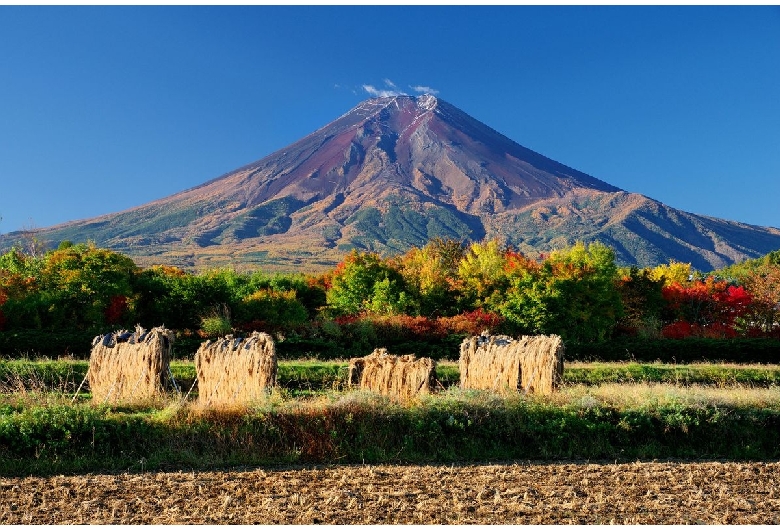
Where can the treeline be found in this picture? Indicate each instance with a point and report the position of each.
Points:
(430, 296)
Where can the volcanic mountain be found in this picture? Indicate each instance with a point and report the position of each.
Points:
(395, 172)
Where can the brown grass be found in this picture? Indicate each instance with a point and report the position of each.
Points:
(129, 367)
(235, 371)
(501, 363)
(400, 378)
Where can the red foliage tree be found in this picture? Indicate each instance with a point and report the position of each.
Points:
(472, 322)
(708, 308)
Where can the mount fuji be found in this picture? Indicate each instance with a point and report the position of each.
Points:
(395, 172)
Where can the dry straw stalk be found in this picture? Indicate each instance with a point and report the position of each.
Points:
(235, 371)
(400, 378)
(501, 363)
(129, 367)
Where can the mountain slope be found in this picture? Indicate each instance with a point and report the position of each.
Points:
(394, 172)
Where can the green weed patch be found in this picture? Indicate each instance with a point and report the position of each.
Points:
(357, 427)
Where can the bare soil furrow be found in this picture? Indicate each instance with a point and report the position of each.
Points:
(580, 493)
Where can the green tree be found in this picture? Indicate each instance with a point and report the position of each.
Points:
(572, 294)
(181, 300)
(162, 296)
(77, 286)
(82, 282)
(365, 282)
(309, 291)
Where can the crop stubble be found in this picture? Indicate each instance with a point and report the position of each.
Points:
(657, 493)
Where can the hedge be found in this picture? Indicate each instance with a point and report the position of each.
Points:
(77, 344)
(681, 351)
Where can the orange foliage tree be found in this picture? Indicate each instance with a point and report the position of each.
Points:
(431, 276)
(764, 285)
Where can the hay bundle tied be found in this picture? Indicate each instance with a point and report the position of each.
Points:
(234, 371)
(501, 363)
(129, 367)
(400, 378)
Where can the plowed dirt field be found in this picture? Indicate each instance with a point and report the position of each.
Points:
(658, 493)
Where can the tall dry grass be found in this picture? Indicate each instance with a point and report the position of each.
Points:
(532, 364)
(233, 371)
(129, 367)
(400, 378)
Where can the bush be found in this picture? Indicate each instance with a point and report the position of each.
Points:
(267, 310)
(217, 323)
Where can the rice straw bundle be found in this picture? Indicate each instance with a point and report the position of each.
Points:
(234, 371)
(501, 363)
(400, 378)
(127, 367)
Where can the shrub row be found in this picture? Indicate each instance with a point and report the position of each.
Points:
(62, 439)
(52, 344)
(682, 351)
(437, 348)
(357, 341)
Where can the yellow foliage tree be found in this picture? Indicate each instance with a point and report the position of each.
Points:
(482, 267)
(674, 272)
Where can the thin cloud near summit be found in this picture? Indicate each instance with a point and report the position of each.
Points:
(391, 89)
(424, 90)
(380, 93)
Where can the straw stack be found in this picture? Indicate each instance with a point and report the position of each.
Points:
(234, 371)
(401, 378)
(501, 363)
(127, 367)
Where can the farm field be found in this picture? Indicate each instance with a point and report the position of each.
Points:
(521, 493)
(625, 443)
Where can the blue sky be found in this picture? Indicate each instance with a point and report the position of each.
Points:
(106, 108)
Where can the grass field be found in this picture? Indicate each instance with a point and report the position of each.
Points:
(707, 411)
(316, 452)
(312, 376)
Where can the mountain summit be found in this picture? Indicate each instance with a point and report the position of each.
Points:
(394, 172)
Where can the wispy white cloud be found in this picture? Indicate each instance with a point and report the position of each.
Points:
(381, 93)
(424, 90)
(391, 89)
